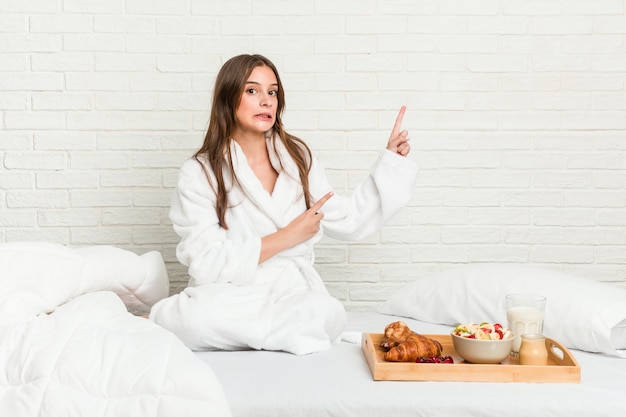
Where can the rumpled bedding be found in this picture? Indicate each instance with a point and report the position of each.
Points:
(70, 347)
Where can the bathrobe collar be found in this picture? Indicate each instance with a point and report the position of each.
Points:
(287, 189)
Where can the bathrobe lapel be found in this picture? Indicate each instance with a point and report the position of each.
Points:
(278, 206)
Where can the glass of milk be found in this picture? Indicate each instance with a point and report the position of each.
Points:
(524, 313)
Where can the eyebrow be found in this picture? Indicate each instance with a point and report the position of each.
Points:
(258, 83)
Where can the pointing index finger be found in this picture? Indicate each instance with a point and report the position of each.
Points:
(397, 127)
(319, 203)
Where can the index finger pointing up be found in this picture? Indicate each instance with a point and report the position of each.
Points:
(397, 127)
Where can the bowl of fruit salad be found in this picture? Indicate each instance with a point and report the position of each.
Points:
(482, 343)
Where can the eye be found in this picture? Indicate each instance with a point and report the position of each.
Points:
(273, 93)
(251, 90)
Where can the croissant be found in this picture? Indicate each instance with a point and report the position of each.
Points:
(413, 347)
(395, 332)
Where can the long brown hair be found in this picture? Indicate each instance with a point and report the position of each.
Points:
(229, 87)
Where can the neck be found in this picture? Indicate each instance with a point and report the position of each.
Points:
(253, 146)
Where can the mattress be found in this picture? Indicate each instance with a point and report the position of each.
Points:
(338, 382)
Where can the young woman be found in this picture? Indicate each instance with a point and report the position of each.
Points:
(250, 206)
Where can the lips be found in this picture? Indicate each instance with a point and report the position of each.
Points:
(264, 116)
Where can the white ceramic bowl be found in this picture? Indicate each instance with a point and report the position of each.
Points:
(482, 351)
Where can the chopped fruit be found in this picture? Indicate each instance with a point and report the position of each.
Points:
(482, 331)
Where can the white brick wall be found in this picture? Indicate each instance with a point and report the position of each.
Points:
(517, 110)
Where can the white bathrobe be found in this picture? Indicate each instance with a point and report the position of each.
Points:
(232, 302)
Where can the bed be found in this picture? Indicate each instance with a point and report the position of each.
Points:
(69, 346)
(338, 382)
(586, 316)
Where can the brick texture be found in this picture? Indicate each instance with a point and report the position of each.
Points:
(517, 113)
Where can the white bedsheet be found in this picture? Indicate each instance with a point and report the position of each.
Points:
(338, 382)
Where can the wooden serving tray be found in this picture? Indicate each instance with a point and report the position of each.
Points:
(562, 367)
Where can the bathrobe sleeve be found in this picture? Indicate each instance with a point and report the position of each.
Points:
(211, 254)
(388, 187)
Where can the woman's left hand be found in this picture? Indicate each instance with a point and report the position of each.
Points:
(399, 139)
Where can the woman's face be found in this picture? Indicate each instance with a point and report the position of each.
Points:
(256, 112)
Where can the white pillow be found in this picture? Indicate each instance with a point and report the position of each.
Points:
(37, 277)
(580, 313)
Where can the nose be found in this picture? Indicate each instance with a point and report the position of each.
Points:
(266, 100)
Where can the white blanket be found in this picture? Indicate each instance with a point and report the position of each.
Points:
(69, 347)
(232, 302)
